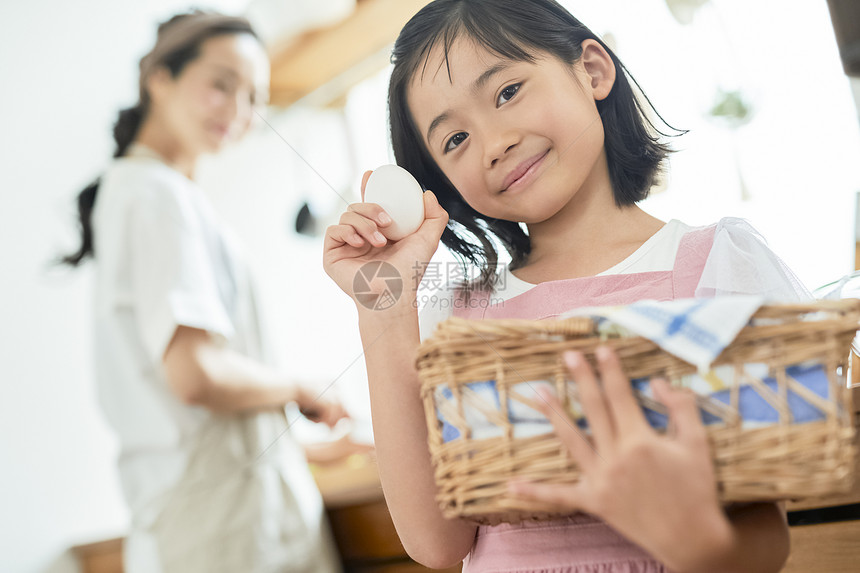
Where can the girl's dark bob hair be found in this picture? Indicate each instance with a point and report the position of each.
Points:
(517, 30)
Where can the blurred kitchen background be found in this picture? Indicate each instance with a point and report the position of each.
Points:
(774, 137)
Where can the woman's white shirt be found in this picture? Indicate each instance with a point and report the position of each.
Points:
(163, 260)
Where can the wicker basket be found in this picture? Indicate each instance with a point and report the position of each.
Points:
(785, 460)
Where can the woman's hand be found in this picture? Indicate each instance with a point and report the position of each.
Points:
(360, 238)
(317, 408)
(659, 491)
(337, 451)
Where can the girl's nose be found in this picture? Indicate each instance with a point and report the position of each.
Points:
(499, 143)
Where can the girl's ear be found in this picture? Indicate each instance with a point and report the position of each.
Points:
(599, 67)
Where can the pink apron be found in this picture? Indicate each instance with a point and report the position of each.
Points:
(579, 543)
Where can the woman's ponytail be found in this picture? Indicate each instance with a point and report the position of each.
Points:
(126, 127)
(124, 131)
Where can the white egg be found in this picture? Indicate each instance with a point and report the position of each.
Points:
(399, 194)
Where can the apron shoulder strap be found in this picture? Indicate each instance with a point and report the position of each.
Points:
(693, 252)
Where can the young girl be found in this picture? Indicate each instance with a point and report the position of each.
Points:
(212, 479)
(526, 129)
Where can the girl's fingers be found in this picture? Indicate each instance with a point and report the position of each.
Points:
(683, 412)
(565, 497)
(365, 227)
(371, 211)
(593, 402)
(573, 438)
(337, 235)
(625, 409)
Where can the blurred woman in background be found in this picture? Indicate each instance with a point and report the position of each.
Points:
(212, 478)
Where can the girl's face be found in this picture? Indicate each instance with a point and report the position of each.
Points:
(214, 98)
(517, 139)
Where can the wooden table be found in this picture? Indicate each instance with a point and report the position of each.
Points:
(360, 522)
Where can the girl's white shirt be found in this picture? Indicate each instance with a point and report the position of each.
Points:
(740, 262)
(164, 259)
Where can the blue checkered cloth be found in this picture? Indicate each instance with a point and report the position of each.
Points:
(694, 330)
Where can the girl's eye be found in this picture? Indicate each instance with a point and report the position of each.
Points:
(221, 86)
(455, 141)
(508, 93)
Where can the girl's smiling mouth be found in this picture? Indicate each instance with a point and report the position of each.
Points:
(524, 172)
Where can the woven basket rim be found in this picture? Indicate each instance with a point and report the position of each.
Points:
(844, 311)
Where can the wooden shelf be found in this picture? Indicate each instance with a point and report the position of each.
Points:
(341, 55)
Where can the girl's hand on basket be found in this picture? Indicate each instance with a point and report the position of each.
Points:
(360, 238)
(659, 491)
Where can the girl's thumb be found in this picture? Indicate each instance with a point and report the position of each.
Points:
(433, 210)
(364, 179)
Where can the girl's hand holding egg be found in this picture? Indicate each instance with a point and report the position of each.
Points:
(397, 223)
